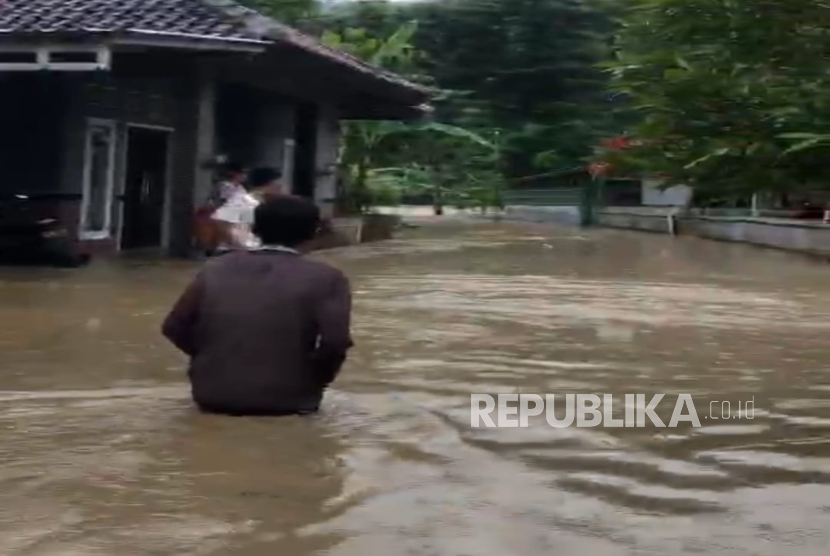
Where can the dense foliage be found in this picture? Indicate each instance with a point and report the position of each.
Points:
(526, 69)
(734, 94)
(519, 89)
(729, 96)
(288, 11)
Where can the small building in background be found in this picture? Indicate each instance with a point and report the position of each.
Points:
(653, 194)
(111, 112)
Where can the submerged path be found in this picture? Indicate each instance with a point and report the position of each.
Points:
(102, 453)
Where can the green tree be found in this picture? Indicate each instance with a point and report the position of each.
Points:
(428, 148)
(523, 70)
(363, 141)
(296, 12)
(524, 67)
(527, 67)
(734, 94)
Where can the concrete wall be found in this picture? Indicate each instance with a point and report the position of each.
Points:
(181, 103)
(191, 142)
(556, 215)
(805, 237)
(258, 129)
(205, 148)
(129, 96)
(273, 136)
(252, 126)
(809, 237)
(646, 219)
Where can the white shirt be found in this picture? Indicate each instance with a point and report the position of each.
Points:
(228, 189)
(238, 211)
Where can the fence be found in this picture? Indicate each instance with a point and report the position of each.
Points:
(574, 188)
(549, 197)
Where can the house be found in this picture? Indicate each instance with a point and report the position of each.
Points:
(111, 111)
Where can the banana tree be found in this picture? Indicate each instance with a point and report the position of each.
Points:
(368, 145)
(364, 141)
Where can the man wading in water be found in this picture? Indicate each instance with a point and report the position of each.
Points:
(267, 330)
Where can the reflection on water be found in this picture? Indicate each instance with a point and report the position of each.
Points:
(103, 453)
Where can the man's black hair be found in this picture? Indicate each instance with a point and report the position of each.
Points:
(233, 167)
(286, 220)
(259, 177)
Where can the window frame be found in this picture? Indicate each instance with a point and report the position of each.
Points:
(109, 195)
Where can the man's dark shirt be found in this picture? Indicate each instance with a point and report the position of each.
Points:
(267, 332)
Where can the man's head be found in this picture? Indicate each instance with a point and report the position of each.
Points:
(234, 172)
(286, 220)
(265, 181)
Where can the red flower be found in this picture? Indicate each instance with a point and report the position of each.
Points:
(616, 144)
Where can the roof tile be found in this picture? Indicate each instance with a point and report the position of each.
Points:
(214, 19)
(195, 17)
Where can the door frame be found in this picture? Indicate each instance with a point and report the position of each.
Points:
(168, 180)
(87, 174)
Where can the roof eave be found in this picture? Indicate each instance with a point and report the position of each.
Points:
(345, 60)
(141, 37)
(403, 113)
(136, 37)
(383, 83)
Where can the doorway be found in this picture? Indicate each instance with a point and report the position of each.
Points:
(305, 157)
(145, 187)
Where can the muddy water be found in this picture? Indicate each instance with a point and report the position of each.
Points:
(102, 453)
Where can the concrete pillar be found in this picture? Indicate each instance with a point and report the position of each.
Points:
(193, 146)
(289, 151)
(328, 151)
(205, 137)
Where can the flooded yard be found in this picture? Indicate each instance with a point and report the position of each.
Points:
(103, 453)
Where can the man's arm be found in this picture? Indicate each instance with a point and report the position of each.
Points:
(333, 316)
(180, 324)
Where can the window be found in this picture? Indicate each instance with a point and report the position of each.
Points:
(99, 166)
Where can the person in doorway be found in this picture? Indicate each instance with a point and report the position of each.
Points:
(267, 330)
(232, 183)
(235, 217)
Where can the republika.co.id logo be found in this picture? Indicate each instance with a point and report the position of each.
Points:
(591, 410)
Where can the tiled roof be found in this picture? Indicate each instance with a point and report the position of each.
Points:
(192, 17)
(219, 20)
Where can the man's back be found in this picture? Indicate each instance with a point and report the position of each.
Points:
(267, 332)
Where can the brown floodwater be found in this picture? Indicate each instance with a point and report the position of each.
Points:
(103, 454)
